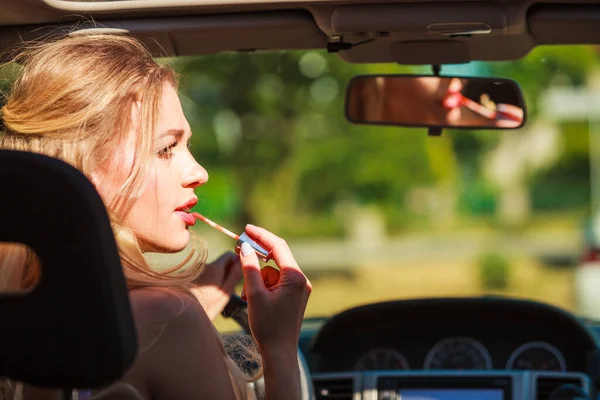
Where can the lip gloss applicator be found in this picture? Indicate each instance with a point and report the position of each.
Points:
(486, 112)
(262, 253)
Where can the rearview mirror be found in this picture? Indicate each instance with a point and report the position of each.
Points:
(434, 101)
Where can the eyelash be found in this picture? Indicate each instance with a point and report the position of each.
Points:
(167, 152)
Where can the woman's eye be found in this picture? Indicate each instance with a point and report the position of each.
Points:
(167, 152)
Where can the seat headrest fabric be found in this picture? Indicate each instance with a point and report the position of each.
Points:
(75, 328)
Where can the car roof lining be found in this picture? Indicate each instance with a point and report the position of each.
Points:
(399, 31)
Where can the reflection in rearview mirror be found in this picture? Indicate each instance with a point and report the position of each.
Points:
(412, 100)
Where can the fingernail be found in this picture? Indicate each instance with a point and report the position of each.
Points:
(250, 226)
(246, 249)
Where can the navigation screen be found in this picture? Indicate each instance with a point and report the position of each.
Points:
(451, 394)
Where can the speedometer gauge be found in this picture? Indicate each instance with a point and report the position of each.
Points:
(381, 359)
(537, 356)
(458, 353)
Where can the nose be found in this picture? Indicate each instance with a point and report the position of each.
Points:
(195, 176)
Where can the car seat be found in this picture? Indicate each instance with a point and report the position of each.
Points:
(75, 328)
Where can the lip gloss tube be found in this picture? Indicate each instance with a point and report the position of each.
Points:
(262, 253)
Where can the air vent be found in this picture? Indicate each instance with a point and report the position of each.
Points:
(334, 388)
(547, 384)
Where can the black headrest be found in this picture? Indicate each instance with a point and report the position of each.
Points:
(75, 328)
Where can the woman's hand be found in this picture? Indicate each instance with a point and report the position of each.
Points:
(276, 299)
(217, 283)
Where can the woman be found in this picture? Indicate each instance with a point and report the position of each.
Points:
(102, 104)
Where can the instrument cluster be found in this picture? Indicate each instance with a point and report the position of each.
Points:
(466, 353)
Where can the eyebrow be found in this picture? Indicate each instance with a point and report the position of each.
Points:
(178, 133)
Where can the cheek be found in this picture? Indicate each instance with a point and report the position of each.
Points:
(109, 178)
(155, 198)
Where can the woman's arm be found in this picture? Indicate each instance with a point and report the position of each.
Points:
(180, 354)
(276, 305)
(282, 374)
(216, 284)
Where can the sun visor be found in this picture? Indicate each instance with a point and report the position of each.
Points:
(420, 21)
(565, 24)
(426, 33)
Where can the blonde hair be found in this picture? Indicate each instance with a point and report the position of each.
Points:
(73, 101)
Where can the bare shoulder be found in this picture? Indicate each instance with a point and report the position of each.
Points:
(164, 315)
(160, 305)
(160, 299)
(178, 347)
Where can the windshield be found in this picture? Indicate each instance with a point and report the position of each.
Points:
(379, 213)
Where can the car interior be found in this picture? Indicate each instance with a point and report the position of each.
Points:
(427, 347)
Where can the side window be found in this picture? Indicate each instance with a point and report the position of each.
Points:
(8, 73)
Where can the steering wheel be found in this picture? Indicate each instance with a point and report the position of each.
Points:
(237, 309)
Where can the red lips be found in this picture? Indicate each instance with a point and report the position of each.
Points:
(184, 211)
(453, 100)
(188, 205)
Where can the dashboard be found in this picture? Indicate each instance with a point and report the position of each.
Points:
(499, 339)
(452, 334)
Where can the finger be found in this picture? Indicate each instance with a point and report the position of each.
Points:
(514, 111)
(281, 252)
(455, 85)
(270, 276)
(253, 282)
(509, 116)
(233, 273)
(507, 123)
(225, 271)
(224, 259)
(243, 294)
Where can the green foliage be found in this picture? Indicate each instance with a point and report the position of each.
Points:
(547, 187)
(478, 198)
(224, 198)
(494, 271)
